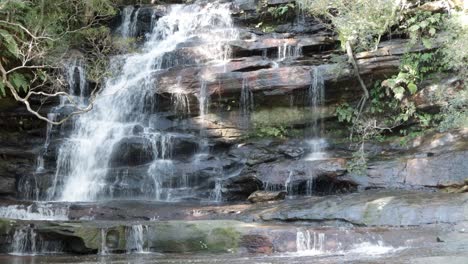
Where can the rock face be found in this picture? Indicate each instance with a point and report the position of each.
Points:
(213, 236)
(377, 208)
(262, 196)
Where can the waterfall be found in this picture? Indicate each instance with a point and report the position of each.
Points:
(126, 103)
(136, 239)
(310, 243)
(75, 75)
(128, 28)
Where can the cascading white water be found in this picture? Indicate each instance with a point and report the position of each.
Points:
(76, 78)
(136, 239)
(103, 250)
(129, 18)
(27, 242)
(217, 194)
(83, 159)
(287, 52)
(310, 243)
(24, 241)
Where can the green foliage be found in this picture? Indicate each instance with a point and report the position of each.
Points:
(35, 35)
(269, 132)
(358, 163)
(19, 81)
(2, 89)
(455, 52)
(361, 22)
(422, 26)
(454, 113)
(414, 68)
(346, 113)
(282, 12)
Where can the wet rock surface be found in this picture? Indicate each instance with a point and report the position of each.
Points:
(263, 196)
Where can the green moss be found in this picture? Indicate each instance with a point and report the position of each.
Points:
(6, 226)
(91, 236)
(223, 239)
(197, 236)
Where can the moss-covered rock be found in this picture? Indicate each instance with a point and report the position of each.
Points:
(195, 236)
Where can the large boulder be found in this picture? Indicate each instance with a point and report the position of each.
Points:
(377, 208)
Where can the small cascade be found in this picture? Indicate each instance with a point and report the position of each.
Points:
(37, 211)
(136, 239)
(180, 100)
(103, 250)
(216, 194)
(203, 107)
(317, 149)
(128, 28)
(287, 185)
(316, 98)
(310, 243)
(300, 12)
(26, 242)
(203, 99)
(289, 52)
(77, 84)
(45, 147)
(246, 104)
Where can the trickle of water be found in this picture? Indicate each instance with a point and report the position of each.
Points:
(316, 97)
(310, 243)
(217, 194)
(77, 84)
(103, 250)
(289, 52)
(203, 99)
(26, 242)
(287, 184)
(246, 103)
(136, 239)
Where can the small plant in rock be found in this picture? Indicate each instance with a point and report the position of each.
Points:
(282, 12)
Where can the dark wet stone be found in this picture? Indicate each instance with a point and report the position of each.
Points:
(132, 151)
